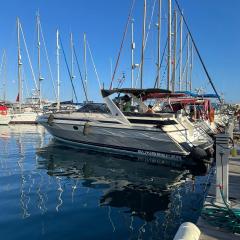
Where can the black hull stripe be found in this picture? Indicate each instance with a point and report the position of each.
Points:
(23, 122)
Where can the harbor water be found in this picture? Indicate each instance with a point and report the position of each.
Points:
(51, 191)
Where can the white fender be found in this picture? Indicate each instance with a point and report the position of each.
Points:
(187, 231)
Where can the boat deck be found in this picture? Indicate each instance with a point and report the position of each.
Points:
(209, 232)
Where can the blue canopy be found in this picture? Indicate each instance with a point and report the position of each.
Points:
(206, 95)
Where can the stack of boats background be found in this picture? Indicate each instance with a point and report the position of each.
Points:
(170, 120)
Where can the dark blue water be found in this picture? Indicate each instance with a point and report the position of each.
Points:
(51, 191)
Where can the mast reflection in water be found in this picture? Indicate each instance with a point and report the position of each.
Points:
(52, 191)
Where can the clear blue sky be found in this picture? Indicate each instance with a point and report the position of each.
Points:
(214, 25)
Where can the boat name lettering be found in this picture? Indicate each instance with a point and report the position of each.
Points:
(157, 154)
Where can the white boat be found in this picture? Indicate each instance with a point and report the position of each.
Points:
(159, 136)
(25, 118)
(22, 114)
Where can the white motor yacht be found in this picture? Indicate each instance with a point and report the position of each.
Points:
(155, 135)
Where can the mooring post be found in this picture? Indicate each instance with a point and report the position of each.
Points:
(222, 168)
(230, 128)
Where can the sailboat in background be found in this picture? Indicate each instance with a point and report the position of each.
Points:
(23, 114)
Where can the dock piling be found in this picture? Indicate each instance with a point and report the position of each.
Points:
(222, 168)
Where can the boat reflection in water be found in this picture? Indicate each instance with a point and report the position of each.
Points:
(143, 189)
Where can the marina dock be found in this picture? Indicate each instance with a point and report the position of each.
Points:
(209, 232)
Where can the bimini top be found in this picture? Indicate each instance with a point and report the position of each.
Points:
(134, 91)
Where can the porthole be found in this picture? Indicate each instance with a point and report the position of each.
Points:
(75, 127)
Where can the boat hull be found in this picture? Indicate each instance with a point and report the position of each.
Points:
(5, 119)
(155, 146)
(24, 118)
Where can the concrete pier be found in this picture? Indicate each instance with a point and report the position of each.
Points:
(232, 193)
(209, 232)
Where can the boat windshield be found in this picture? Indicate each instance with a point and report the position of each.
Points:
(94, 108)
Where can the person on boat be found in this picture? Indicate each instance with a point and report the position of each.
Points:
(211, 115)
(126, 104)
(150, 109)
(192, 113)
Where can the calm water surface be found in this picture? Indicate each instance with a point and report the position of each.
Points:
(51, 191)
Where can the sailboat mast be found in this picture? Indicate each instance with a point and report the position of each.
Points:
(4, 74)
(39, 57)
(72, 60)
(191, 68)
(180, 57)
(85, 64)
(19, 67)
(175, 52)
(169, 43)
(187, 63)
(132, 54)
(159, 43)
(58, 70)
(143, 39)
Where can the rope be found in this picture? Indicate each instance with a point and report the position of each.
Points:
(48, 62)
(94, 66)
(68, 68)
(222, 217)
(80, 73)
(29, 60)
(122, 43)
(24, 79)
